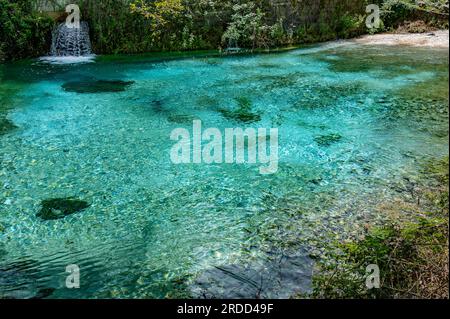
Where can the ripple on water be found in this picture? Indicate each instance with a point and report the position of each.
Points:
(348, 137)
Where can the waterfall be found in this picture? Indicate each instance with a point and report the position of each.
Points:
(71, 41)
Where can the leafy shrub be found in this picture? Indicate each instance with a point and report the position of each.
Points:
(23, 34)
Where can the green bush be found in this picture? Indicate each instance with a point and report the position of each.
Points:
(136, 26)
(22, 33)
(432, 12)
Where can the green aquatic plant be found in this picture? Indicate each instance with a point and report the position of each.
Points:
(58, 208)
(327, 140)
(243, 112)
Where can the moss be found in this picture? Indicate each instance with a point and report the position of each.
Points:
(327, 140)
(60, 207)
(99, 86)
(437, 173)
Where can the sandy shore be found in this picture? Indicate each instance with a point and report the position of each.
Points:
(434, 39)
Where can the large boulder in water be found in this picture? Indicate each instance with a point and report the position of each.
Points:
(21, 280)
(60, 207)
(96, 86)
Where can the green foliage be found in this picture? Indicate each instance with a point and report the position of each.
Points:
(434, 12)
(136, 26)
(22, 33)
(245, 26)
(350, 26)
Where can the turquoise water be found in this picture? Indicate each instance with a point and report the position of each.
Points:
(355, 122)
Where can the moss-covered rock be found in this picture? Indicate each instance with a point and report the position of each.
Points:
(96, 86)
(58, 208)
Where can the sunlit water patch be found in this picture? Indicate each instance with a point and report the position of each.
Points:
(354, 124)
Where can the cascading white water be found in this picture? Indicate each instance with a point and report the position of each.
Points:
(71, 41)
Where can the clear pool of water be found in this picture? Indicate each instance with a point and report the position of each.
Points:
(155, 229)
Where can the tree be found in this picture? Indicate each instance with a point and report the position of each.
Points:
(160, 12)
(246, 23)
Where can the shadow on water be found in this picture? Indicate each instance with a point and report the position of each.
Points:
(23, 279)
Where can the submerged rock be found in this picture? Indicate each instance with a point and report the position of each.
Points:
(181, 118)
(280, 277)
(97, 86)
(157, 106)
(242, 113)
(60, 207)
(20, 280)
(327, 140)
(6, 126)
(44, 293)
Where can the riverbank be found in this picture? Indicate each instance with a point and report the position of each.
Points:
(435, 39)
(411, 253)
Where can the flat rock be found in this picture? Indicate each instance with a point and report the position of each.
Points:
(96, 86)
(60, 207)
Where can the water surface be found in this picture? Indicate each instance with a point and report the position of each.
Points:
(355, 122)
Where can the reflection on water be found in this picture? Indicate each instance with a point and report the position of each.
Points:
(354, 125)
